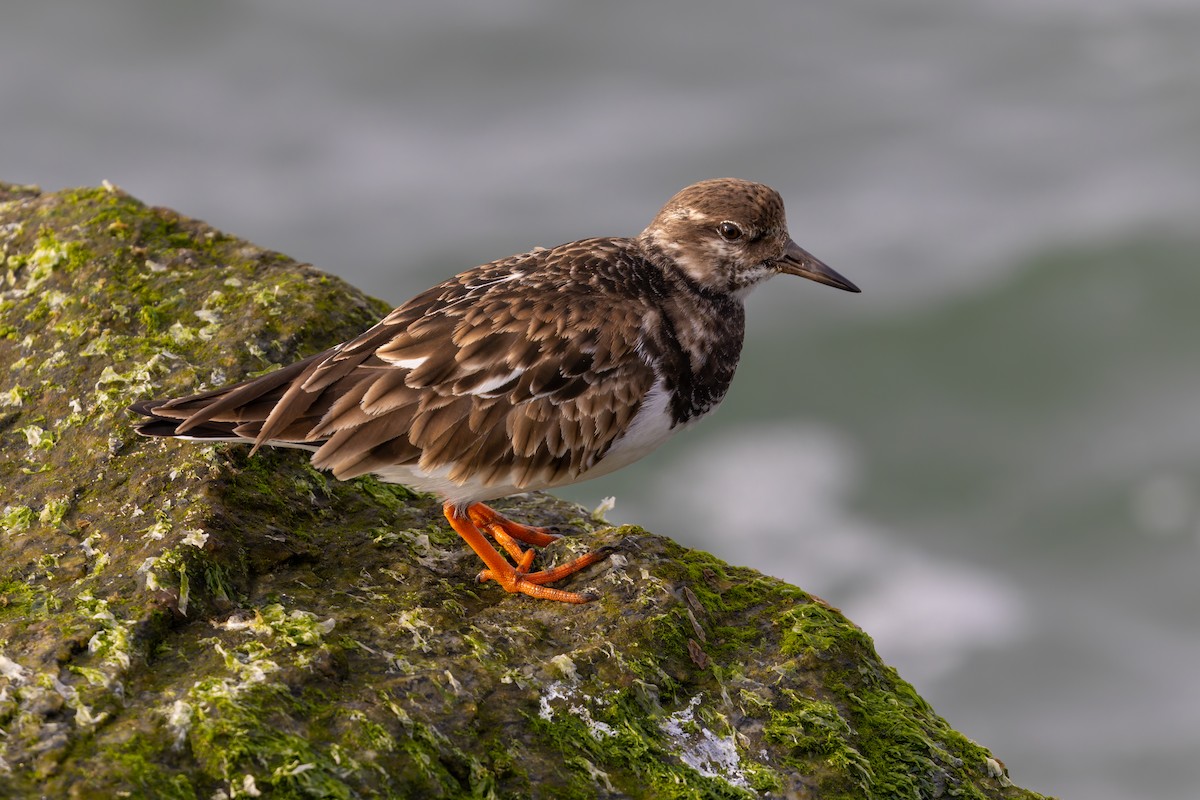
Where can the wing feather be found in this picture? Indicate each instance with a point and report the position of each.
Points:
(522, 372)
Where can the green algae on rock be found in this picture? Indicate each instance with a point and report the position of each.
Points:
(180, 620)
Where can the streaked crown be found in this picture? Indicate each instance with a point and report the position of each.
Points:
(725, 234)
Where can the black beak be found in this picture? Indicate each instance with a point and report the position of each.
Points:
(797, 261)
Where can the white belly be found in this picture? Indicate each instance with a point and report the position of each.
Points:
(648, 430)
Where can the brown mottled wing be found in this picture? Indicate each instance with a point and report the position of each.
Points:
(523, 371)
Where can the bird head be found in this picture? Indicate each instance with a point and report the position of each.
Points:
(729, 235)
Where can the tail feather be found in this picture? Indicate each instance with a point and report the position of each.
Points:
(170, 427)
(234, 403)
(232, 413)
(283, 408)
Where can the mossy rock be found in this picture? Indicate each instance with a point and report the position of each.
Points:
(180, 620)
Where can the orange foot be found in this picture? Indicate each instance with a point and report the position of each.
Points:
(467, 524)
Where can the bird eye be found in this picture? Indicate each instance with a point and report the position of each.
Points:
(730, 231)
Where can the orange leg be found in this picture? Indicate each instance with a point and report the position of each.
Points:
(517, 579)
(561, 571)
(524, 558)
(505, 530)
(499, 527)
(492, 522)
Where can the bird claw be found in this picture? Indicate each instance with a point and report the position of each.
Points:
(517, 577)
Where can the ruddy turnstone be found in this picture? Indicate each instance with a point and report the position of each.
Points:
(532, 372)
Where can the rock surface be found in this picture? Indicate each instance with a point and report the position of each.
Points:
(178, 620)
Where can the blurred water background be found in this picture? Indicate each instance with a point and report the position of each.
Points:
(990, 459)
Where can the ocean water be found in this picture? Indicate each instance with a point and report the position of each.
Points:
(990, 459)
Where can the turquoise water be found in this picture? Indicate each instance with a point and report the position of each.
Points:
(989, 458)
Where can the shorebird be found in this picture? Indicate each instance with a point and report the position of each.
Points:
(532, 372)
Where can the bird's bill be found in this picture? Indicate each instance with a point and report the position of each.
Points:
(798, 261)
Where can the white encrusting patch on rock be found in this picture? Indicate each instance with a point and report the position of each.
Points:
(711, 755)
(559, 690)
(12, 670)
